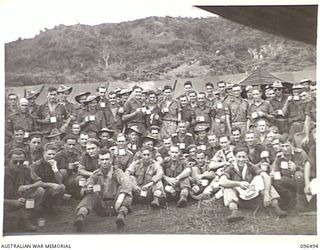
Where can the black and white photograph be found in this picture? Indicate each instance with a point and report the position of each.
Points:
(159, 118)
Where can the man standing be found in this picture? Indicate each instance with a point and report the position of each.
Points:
(64, 92)
(169, 113)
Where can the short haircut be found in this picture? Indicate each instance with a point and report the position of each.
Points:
(18, 129)
(223, 135)
(201, 93)
(151, 92)
(167, 87)
(50, 146)
(285, 138)
(236, 129)
(222, 82)
(52, 89)
(192, 91)
(17, 151)
(136, 87)
(70, 137)
(200, 151)
(209, 84)
(112, 93)
(187, 83)
(104, 151)
(12, 94)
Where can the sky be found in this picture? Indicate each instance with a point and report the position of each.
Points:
(25, 18)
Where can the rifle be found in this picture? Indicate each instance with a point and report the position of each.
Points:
(174, 85)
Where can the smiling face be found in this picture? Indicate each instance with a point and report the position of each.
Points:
(241, 158)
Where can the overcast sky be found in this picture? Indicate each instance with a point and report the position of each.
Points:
(25, 18)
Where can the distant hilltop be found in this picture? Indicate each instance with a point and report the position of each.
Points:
(149, 49)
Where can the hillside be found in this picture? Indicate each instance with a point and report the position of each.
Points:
(149, 49)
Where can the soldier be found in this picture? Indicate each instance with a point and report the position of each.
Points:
(187, 87)
(51, 114)
(102, 92)
(210, 95)
(105, 136)
(182, 138)
(204, 114)
(108, 191)
(13, 106)
(288, 172)
(47, 171)
(176, 176)
(64, 92)
(220, 107)
(89, 160)
(134, 135)
(163, 152)
(68, 161)
(192, 97)
(277, 103)
(236, 136)
(146, 175)
(21, 191)
(135, 110)
(243, 181)
(116, 111)
(169, 113)
(259, 109)
(237, 111)
(17, 141)
(31, 97)
(93, 118)
(254, 146)
(122, 156)
(21, 118)
(186, 113)
(310, 113)
(80, 108)
(293, 110)
(153, 109)
(34, 148)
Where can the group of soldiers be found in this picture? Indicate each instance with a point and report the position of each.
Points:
(111, 149)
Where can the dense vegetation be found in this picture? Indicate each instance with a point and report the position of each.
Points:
(149, 49)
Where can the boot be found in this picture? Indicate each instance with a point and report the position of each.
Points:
(182, 202)
(236, 215)
(120, 220)
(279, 212)
(200, 197)
(155, 203)
(78, 223)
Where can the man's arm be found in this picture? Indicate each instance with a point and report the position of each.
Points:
(82, 171)
(225, 182)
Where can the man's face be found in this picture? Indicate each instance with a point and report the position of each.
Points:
(182, 128)
(121, 142)
(102, 93)
(304, 97)
(152, 98)
(17, 161)
(313, 91)
(13, 100)
(193, 97)
(250, 139)
(83, 140)
(278, 92)
(187, 88)
(249, 94)
(286, 148)
(270, 137)
(200, 159)
(202, 135)
(49, 154)
(18, 136)
(256, 95)
(276, 145)
(133, 136)
(201, 99)
(35, 143)
(104, 136)
(146, 156)
(192, 153)
(167, 93)
(212, 139)
(236, 135)
(224, 143)
(125, 97)
(209, 89)
(167, 143)
(113, 99)
(137, 93)
(24, 106)
(82, 98)
(148, 144)
(262, 126)
(270, 93)
(236, 91)
(104, 163)
(76, 129)
(183, 101)
(154, 133)
(64, 95)
(52, 96)
(92, 104)
(296, 92)
(92, 149)
(70, 145)
(174, 153)
(241, 158)
(221, 87)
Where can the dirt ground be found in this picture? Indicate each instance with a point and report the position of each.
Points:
(205, 217)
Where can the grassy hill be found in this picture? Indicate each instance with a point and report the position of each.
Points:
(152, 48)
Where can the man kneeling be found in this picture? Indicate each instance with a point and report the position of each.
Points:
(107, 191)
(243, 181)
